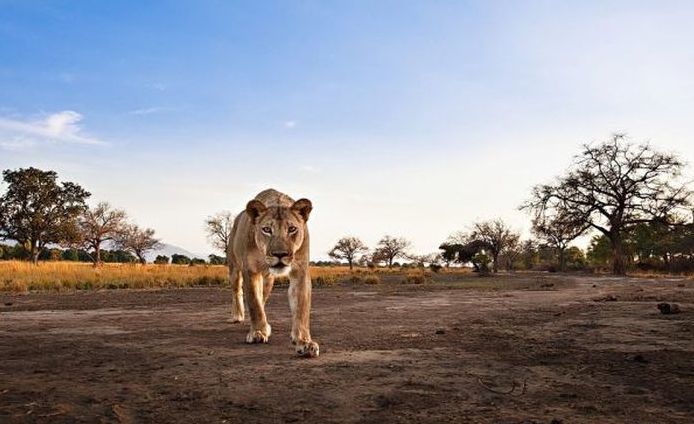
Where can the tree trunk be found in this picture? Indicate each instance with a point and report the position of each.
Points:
(618, 262)
(495, 263)
(562, 260)
(97, 254)
(350, 264)
(34, 251)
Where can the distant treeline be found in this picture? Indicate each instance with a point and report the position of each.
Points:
(18, 252)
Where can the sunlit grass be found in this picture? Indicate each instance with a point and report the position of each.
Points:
(21, 276)
(24, 276)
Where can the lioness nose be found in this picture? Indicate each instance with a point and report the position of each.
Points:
(280, 255)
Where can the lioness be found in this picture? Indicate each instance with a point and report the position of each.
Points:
(270, 239)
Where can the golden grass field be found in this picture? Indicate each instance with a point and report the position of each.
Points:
(18, 276)
(21, 276)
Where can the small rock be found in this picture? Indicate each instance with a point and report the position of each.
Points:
(440, 331)
(556, 421)
(608, 298)
(639, 358)
(669, 308)
(9, 303)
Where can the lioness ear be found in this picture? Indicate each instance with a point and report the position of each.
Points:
(254, 209)
(303, 207)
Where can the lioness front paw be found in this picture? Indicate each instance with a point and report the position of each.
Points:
(236, 318)
(258, 336)
(308, 350)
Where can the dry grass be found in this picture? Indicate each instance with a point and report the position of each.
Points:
(18, 276)
(21, 276)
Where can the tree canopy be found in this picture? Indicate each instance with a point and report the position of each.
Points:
(347, 248)
(36, 210)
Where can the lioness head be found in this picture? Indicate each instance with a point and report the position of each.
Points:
(279, 231)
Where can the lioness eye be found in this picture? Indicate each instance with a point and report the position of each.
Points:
(292, 229)
(267, 230)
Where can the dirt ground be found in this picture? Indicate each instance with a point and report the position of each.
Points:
(509, 349)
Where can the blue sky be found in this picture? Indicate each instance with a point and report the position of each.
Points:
(385, 114)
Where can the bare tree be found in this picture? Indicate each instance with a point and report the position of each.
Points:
(347, 248)
(218, 228)
(434, 258)
(614, 186)
(496, 236)
(98, 225)
(557, 231)
(137, 241)
(512, 252)
(389, 248)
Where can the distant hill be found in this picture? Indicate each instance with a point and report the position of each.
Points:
(169, 250)
(164, 249)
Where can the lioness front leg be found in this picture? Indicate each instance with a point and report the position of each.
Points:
(268, 283)
(300, 304)
(253, 294)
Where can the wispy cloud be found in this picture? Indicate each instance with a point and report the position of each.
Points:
(58, 127)
(17, 144)
(149, 110)
(289, 124)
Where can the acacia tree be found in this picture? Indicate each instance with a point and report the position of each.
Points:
(496, 236)
(389, 248)
(557, 231)
(218, 228)
(614, 186)
(462, 248)
(36, 210)
(137, 240)
(347, 248)
(98, 225)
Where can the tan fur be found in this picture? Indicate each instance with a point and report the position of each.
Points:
(255, 257)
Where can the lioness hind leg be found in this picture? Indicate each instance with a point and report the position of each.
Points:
(237, 313)
(253, 293)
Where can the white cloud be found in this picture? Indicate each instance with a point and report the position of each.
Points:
(58, 127)
(289, 124)
(149, 110)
